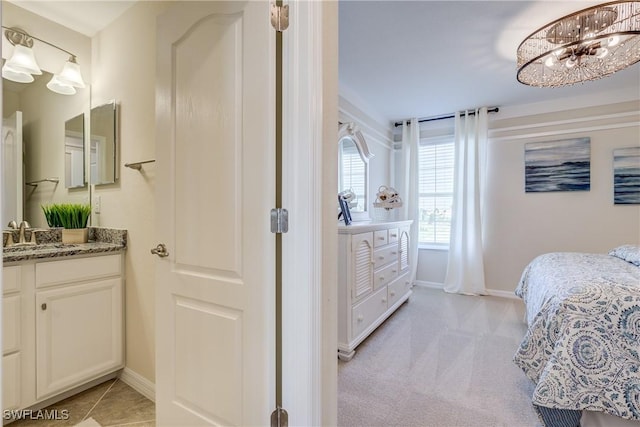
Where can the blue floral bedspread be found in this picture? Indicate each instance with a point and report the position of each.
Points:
(582, 345)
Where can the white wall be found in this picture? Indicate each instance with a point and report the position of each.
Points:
(519, 225)
(124, 69)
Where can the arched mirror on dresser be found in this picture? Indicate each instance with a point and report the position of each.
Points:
(353, 169)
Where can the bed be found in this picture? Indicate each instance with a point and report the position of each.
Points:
(582, 345)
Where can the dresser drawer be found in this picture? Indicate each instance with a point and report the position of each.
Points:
(11, 323)
(11, 279)
(398, 288)
(368, 311)
(393, 235)
(384, 256)
(79, 269)
(385, 275)
(380, 238)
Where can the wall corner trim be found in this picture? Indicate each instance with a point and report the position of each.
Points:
(139, 383)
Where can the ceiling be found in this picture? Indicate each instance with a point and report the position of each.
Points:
(84, 16)
(403, 59)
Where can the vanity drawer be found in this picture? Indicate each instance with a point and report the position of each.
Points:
(393, 235)
(380, 238)
(384, 276)
(10, 279)
(79, 269)
(11, 323)
(368, 311)
(384, 256)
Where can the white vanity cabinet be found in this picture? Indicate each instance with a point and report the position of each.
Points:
(78, 321)
(71, 328)
(373, 278)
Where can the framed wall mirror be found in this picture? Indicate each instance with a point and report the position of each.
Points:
(353, 169)
(74, 176)
(103, 143)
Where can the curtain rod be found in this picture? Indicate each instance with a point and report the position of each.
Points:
(447, 116)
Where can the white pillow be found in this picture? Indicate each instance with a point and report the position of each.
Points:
(629, 253)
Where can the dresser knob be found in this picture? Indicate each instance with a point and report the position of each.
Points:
(394, 271)
(384, 300)
(381, 258)
(393, 294)
(381, 278)
(394, 253)
(360, 318)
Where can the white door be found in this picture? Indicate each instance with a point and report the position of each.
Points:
(215, 297)
(12, 168)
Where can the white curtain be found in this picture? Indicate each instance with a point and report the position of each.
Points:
(465, 269)
(409, 186)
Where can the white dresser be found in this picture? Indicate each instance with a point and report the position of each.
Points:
(373, 278)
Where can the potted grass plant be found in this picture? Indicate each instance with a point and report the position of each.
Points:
(72, 217)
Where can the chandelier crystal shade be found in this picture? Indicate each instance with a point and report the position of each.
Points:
(586, 45)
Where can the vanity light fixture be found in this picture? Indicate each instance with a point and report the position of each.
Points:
(586, 45)
(22, 64)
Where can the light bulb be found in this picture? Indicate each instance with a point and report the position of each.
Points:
(550, 61)
(613, 41)
(602, 52)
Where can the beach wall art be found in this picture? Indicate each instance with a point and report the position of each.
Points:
(626, 176)
(563, 165)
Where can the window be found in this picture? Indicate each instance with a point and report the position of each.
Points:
(435, 188)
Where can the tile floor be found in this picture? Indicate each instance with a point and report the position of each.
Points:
(112, 403)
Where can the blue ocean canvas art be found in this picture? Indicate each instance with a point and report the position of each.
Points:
(563, 165)
(626, 176)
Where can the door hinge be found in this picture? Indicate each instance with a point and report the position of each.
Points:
(279, 17)
(279, 220)
(279, 418)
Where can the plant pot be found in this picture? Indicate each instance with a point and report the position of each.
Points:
(75, 235)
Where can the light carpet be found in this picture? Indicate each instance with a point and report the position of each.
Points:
(441, 360)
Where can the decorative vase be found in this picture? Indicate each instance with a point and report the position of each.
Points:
(75, 235)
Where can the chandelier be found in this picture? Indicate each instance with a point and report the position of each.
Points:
(586, 45)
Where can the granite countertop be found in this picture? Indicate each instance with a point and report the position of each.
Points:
(101, 240)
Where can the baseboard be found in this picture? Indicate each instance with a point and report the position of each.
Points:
(502, 294)
(139, 383)
(492, 292)
(424, 283)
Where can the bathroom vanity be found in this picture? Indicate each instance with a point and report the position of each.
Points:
(62, 317)
(373, 278)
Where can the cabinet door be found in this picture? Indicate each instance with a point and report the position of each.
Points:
(11, 381)
(78, 334)
(362, 265)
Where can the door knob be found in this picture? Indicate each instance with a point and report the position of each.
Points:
(160, 250)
